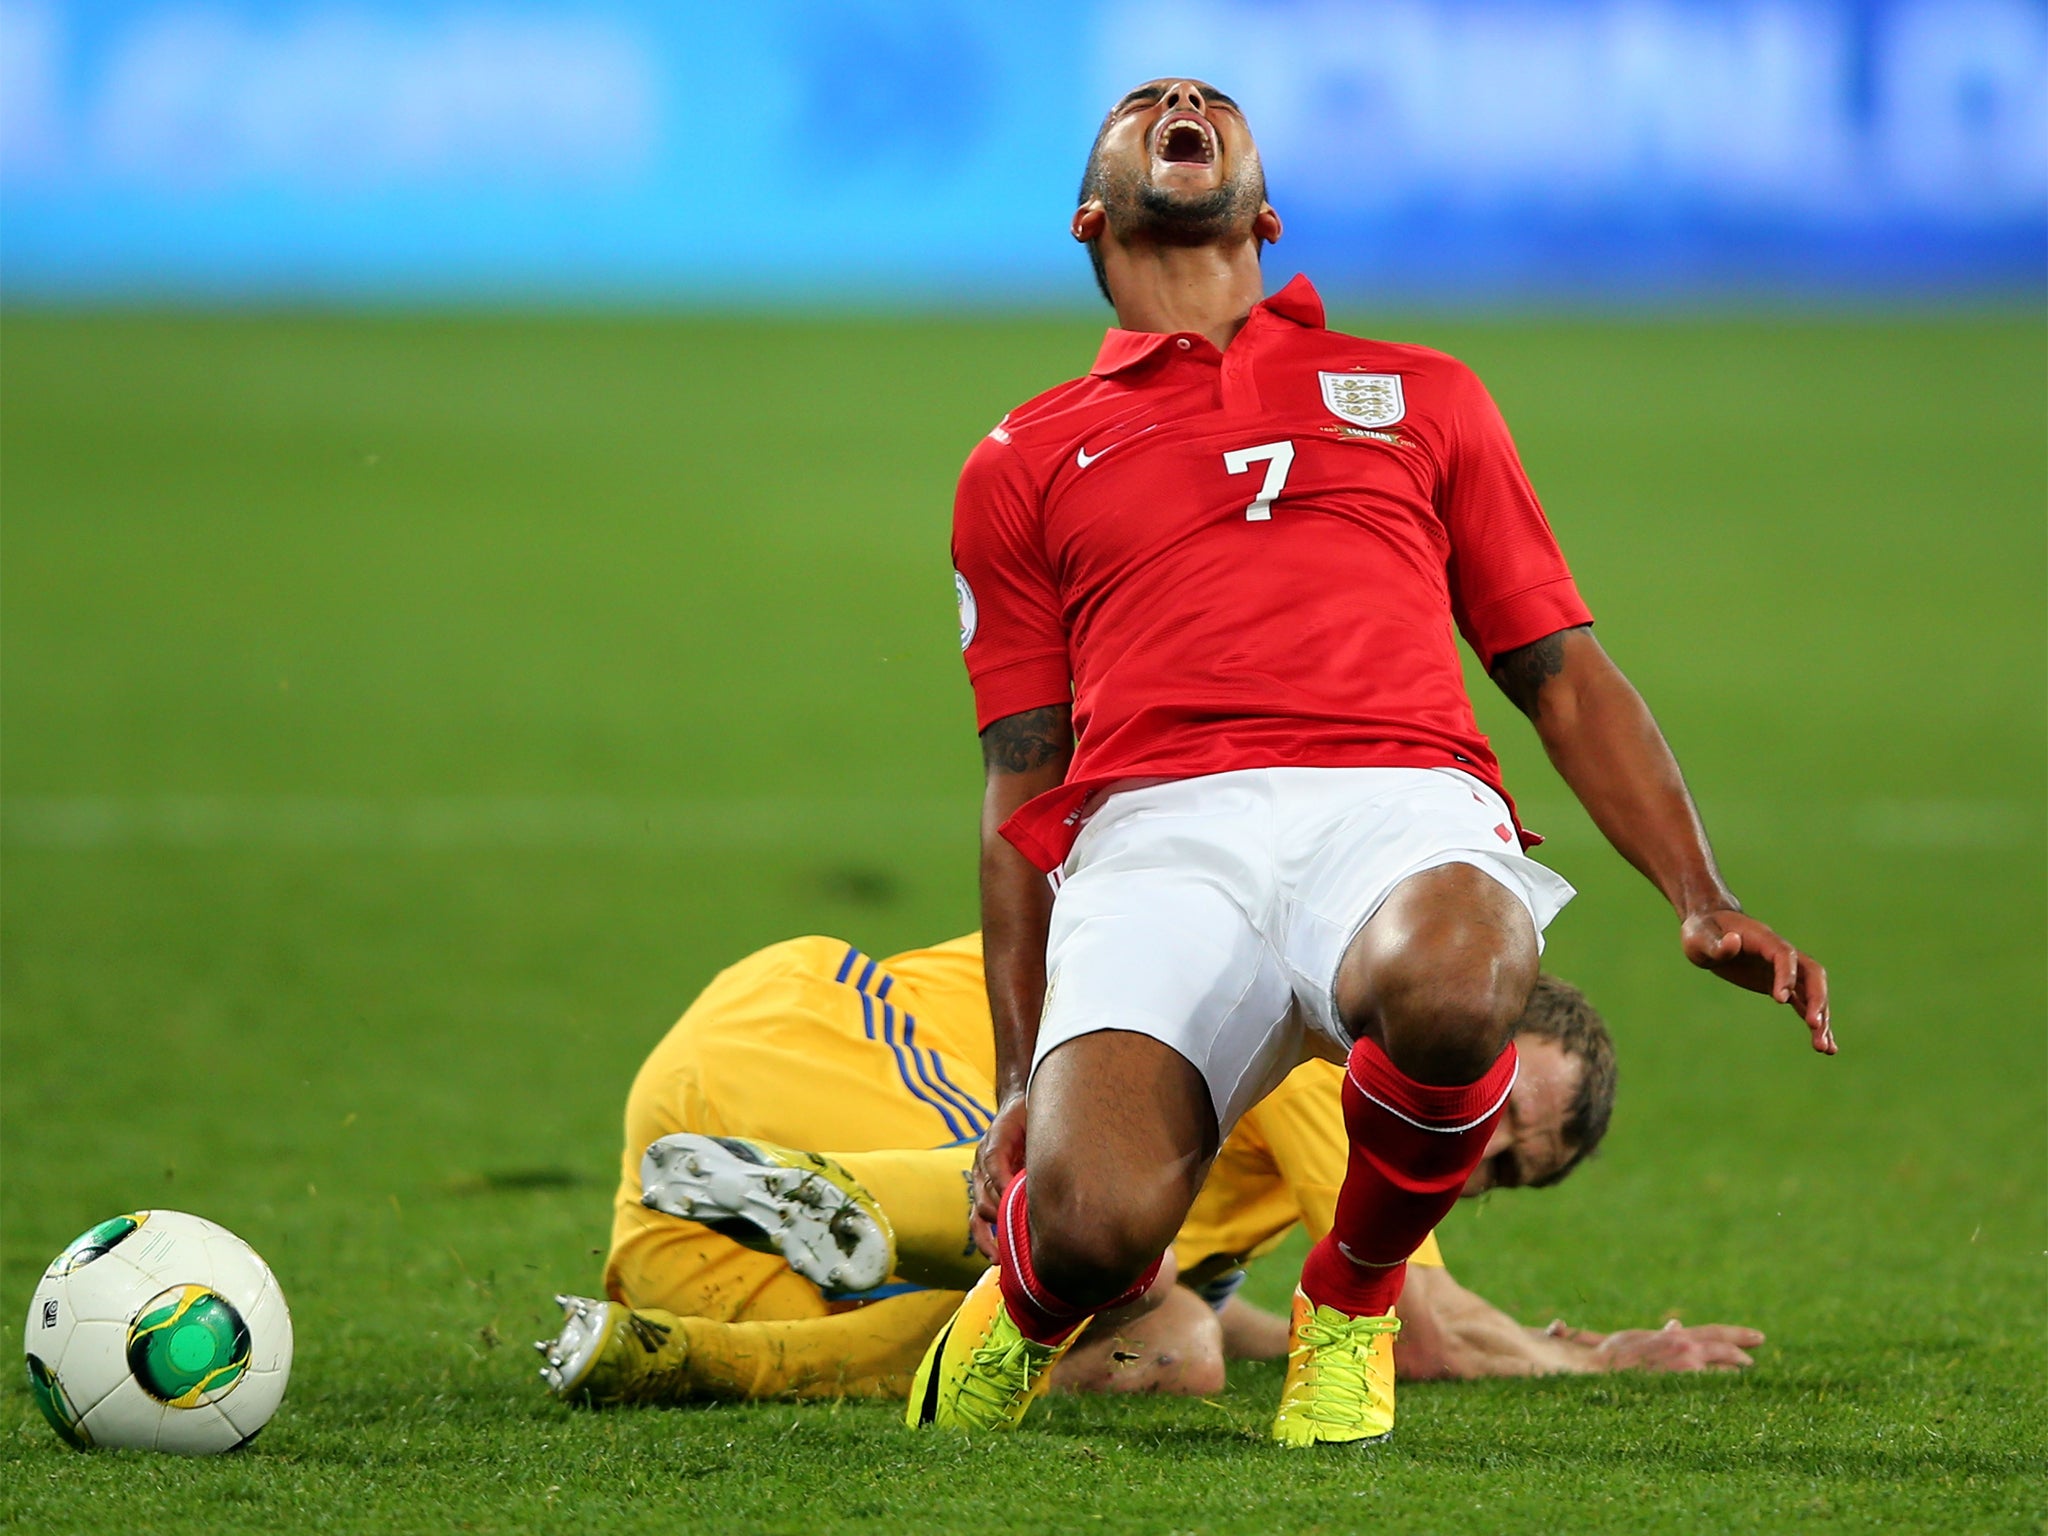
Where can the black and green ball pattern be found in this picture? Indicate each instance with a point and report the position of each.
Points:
(188, 1346)
(55, 1402)
(90, 1245)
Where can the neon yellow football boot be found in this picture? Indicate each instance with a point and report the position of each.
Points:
(808, 1209)
(981, 1372)
(1340, 1378)
(607, 1354)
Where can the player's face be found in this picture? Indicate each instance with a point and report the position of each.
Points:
(1528, 1142)
(1179, 152)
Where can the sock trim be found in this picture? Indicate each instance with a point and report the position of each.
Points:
(1345, 1249)
(1020, 1260)
(1427, 1125)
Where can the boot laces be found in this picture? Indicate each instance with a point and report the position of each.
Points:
(1000, 1374)
(1341, 1352)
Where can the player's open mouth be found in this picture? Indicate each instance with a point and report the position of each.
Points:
(1184, 139)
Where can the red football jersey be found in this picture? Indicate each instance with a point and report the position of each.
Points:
(1251, 558)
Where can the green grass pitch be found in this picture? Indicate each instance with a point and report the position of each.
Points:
(404, 716)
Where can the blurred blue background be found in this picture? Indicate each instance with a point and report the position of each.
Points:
(923, 150)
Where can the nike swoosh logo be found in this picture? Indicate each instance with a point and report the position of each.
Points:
(928, 1408)
(1084, 458)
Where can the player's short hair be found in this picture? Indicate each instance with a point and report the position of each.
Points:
(1559, 1011)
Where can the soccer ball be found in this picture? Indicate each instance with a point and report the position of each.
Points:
(158, 1331)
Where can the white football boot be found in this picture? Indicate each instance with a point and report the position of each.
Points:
(804, 1207)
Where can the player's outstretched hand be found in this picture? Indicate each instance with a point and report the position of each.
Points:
(996, 1162)
(1738, 948)
(1710, 1347)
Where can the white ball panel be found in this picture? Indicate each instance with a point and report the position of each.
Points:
(254, 1401)
(238, 1274)
(172, 1245)
(270, 1330)
(126, 1418)
(201, 1431)
(94, 1363)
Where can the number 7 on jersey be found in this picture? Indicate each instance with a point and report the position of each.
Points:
(1278, 459)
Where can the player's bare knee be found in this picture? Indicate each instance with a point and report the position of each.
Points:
(1448, 1026)
(1450, 979)
(1095, 1231)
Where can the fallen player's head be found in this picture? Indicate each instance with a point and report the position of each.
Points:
(1563, 1094)
(1173, 164)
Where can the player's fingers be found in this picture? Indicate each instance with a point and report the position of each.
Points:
(987, 1192)
(988, 1186)
(984, 1235)
(1784, 968)
(1814, 980)
(1729, 1333)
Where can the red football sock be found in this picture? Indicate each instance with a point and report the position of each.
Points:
(1412, 1148)
(1039, 1315)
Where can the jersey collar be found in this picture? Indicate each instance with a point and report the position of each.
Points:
(1124, 350)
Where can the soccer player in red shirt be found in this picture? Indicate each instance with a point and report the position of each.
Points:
(1208, 595)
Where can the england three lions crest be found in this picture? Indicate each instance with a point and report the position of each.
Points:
(1364, 399)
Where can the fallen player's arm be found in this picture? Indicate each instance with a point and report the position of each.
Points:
(1604, 743)
(1448, 1333)
(1024, 755)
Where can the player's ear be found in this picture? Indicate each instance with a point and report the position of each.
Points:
(1266, 225)
(1089, 221)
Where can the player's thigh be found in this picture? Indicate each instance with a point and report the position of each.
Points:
(1357, 837)
(1451, 953)
(1120, 1135)
(1153, 934)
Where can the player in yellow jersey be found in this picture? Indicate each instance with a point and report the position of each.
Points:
(808, 1275)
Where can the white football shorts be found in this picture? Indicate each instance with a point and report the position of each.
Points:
(1212, 913)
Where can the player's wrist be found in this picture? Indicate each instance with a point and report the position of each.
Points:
(1703, 901)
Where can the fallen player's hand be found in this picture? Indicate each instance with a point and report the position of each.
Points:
(998, 1160)
(1738, 948)
(1709, 1347)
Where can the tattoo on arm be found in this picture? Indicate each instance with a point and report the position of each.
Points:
(1522, 672)
(1023, 742)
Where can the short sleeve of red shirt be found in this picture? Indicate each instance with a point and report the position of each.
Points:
(1509, 581)
(1010, 627)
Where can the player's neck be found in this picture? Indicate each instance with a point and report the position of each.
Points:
(1207, 289)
